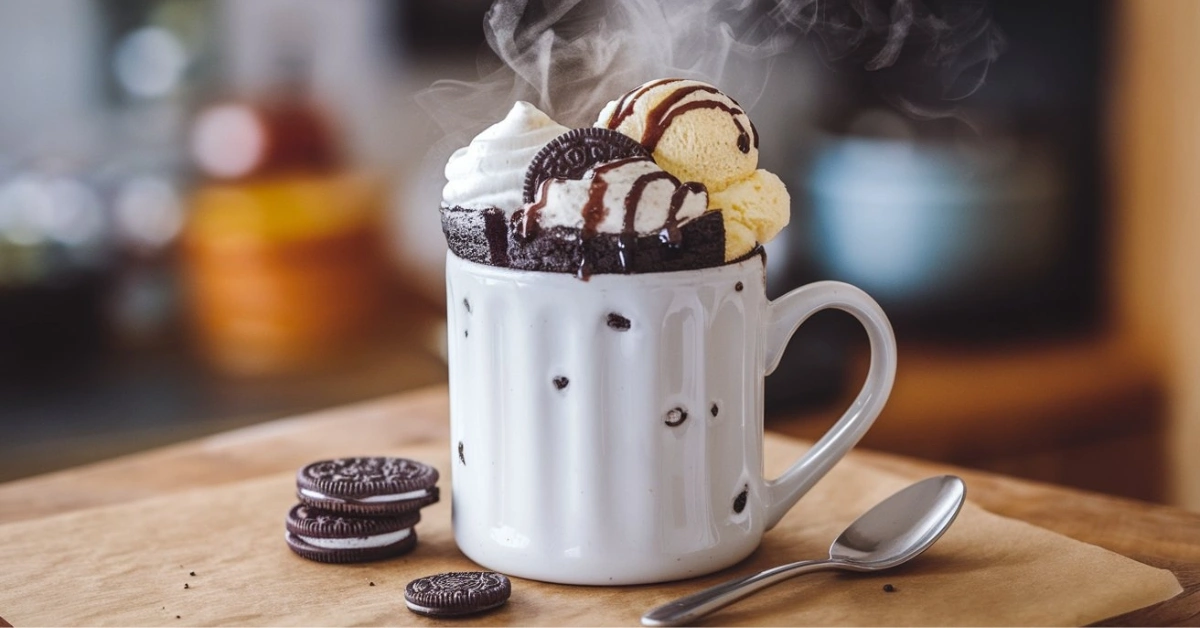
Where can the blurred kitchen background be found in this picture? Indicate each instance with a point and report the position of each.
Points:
(207, 220)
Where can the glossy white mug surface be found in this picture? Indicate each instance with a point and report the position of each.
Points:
(610, 431)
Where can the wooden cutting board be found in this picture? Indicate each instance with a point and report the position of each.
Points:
(129, 564)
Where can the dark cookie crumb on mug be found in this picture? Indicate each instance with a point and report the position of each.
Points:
(739, 503)
(888, 588)
(618, 322)
(461, 457)
(466, 333)
(467, 304)
(676, 417)
(561, 382)
(738, 286)
(715, 410)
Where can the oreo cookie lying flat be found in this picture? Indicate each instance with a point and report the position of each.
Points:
(570, 155)
(332, 538)
(375, 486)
(457, 593)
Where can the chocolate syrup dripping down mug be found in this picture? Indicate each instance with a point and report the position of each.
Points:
(611, 431)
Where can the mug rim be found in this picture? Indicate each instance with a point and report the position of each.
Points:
(756, 257)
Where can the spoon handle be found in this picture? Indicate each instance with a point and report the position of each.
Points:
(687, 609)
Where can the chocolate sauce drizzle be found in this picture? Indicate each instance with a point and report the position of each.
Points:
(665, 112)
(670, 233)
(526, 224)
(668, 109)
(627, 241)
(624, 107)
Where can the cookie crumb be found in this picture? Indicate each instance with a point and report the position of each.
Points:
(715, 410)
(186, 586)
(192, 574)
(561, 382)
(676, 417)
(178, 617)
(461, 457)
(467, 304)
(372, 584)
(738, 286)
(466, 333)
(888, 588)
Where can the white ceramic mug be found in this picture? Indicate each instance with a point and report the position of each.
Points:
(610, 431)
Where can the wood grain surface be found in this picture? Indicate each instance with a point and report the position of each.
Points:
(1156, 535)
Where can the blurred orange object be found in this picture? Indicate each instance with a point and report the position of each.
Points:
(283, 272)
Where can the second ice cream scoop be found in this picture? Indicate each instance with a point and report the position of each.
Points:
(694, 131)
(697, 133)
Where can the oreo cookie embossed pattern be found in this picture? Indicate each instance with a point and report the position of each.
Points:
(367, 486)
(457, 593)
(359, 509)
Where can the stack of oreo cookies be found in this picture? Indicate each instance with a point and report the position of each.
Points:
(359, 509)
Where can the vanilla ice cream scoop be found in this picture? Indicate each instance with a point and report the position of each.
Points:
(693, 130)
(490, 171)
(697, 133)
(630, 196)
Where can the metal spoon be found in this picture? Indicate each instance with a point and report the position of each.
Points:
(895, 531)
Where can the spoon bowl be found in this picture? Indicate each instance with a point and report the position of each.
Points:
(902, 526)
(891, 533)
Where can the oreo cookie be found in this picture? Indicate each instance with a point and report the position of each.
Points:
(457, 593)
(333, 538)
(570, 155)
(375, 486)
(560, 249)
(477, 235)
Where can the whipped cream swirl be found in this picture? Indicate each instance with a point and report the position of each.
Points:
(490, 171)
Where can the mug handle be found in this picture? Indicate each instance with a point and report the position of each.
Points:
(784, 317)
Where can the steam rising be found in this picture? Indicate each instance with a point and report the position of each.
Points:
(570, 57)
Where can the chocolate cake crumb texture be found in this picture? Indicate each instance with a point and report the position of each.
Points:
(739, 503)
(560, 249)
(477, 235)
(618, 322)
(676, 417)
(561, 382)
(461, 457)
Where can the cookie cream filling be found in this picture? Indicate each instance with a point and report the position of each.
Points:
(378, 540)
(625, 196)
(374, 499)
